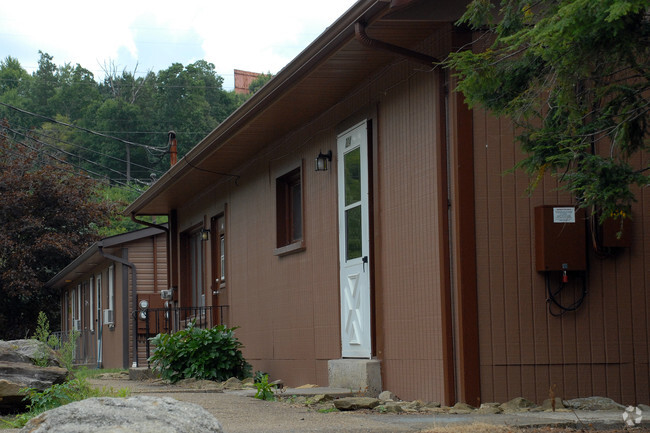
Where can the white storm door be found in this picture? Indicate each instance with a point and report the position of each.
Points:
(354, 246)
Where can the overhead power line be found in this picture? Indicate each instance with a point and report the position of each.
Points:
(90, 131)
(79, 170)
(42, 143)
(87, 149)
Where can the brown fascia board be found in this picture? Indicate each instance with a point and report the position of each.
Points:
(93, 253)
(326, 44)
(57, 281)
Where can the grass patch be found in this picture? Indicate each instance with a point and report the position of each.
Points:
(328, 410)
(89, 373)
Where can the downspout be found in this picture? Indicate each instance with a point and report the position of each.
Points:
(367, 41)
(134, 295)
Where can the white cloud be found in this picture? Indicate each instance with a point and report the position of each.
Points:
(256, 35)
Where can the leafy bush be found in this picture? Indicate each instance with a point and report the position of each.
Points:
(212, 354)
(59, 395)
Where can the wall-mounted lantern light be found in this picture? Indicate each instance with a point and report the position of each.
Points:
(322, 159)
(205, 234)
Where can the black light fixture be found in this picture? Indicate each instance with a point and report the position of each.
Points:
(321, 160)
(205, 234)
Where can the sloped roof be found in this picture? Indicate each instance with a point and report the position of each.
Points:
(320, 76)
(90, 259)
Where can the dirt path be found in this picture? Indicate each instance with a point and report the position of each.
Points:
(245, 414)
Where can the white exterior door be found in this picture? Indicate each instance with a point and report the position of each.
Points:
(354, 245)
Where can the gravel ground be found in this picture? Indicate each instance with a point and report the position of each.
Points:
(239, 413)
(245, 414)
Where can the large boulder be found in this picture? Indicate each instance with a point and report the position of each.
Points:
(141, 414)
(29, 351)
(18, 371)
(593, 403)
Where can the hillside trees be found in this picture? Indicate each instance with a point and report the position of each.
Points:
(133, 112)
(49, 216)
(574, 76)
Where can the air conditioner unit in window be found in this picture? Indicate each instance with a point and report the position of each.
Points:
(108, 317)
(76, 325)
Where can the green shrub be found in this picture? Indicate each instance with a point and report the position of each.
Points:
(212, 354)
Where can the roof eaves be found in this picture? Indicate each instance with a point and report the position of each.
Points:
(324, 45)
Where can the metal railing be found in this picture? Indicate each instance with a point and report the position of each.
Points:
(85, 351)
(154, 321)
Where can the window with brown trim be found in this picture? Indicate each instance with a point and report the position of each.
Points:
(289, 212)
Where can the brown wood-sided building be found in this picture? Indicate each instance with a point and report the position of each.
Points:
(98, 293)
(413, 248)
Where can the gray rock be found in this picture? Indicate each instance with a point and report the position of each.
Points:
(489, 409)
(142, 414)
(547, 405)
(517, 404)
(390, 407)
(387, 396)
(320, 398)
(28, 351)
(233, 383)
(355, 403)
(412, 406)
(461, 408)
(593, 403)
(15, 376)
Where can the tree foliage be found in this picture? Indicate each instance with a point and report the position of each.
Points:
(48, 218)
(574, 77)
(259, 82)
(134, 112)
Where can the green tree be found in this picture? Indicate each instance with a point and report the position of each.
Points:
(259, 82)
(122, 196)
(48, 218)
(43, 86)
(14, 85)
(573, 75)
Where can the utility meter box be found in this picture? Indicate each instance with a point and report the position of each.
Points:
(560, 239)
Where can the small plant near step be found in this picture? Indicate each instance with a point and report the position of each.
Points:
(209, 354)
(265, 390)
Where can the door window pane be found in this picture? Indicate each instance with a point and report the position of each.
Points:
(353, 233)
(352, 176)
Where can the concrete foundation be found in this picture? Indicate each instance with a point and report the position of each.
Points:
(357, 375)
(141, 373)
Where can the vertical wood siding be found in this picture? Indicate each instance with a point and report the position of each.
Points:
(287, 307)
(601, 349)
(407, 264)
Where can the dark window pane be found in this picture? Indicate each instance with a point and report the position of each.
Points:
(353, 233)
(352, 176)
(296, 212)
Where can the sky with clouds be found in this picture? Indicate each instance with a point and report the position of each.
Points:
(253, 35)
